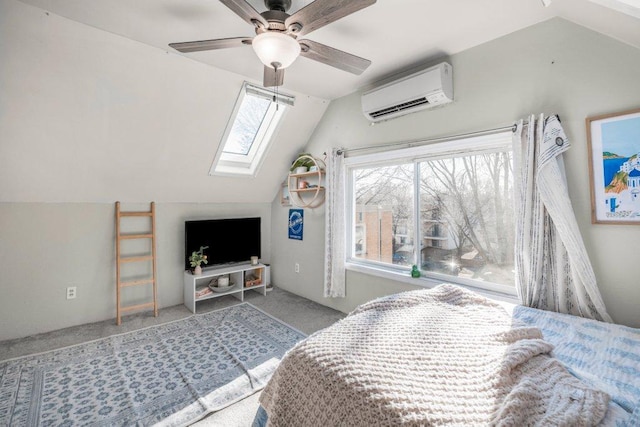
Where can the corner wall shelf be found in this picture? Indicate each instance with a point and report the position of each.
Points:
(305, 188)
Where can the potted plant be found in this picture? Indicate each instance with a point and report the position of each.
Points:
(198, 257)
(302, 163)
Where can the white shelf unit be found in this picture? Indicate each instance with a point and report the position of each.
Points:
(238, 275)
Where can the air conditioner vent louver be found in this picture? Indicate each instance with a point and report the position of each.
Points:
(400, 107)
(424, 89)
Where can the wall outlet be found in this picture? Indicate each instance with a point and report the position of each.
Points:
(71, 292)
(296, 268)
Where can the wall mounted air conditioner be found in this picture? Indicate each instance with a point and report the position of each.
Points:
(418, 91)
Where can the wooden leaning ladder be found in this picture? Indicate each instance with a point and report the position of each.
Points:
(121, 260)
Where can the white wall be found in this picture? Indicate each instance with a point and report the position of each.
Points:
(552, 67)
(88, 118)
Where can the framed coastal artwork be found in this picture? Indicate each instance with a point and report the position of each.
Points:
(614, 154)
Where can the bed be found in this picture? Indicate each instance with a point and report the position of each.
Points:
(448, 356)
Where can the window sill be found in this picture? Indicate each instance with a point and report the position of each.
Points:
(429, 282)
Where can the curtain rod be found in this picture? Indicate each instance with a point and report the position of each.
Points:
(418, 142)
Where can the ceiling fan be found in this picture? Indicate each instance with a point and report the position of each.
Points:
(276, 42)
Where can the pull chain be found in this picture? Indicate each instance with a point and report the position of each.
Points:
(275, 83)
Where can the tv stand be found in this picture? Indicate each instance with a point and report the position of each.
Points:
(239, 276)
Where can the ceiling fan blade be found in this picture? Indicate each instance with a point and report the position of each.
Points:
(273, 77)
(245, 11)
(201, 45)
(323, 12)
(334, 57)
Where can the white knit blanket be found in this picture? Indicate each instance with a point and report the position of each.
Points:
(445, 356)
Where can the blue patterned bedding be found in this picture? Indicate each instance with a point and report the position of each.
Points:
(603, 355)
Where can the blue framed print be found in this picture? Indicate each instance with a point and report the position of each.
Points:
(296, 223)
(614, 148)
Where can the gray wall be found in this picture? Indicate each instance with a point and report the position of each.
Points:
(552, 67)
(87, 118)
(46, 247)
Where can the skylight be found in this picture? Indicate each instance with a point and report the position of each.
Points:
(250, 129)
(246, 125)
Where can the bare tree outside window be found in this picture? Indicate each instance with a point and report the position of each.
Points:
(466, 224)
(384, 214)
(468, 200)
(245, 128)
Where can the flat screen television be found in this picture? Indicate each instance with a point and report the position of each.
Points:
(229, 241)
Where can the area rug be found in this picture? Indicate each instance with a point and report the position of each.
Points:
(169, 375)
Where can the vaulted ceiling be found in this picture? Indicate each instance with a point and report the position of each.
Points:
(96, 107)
(393, 34)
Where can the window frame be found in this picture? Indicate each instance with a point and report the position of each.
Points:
(240, 165)
(458, 147)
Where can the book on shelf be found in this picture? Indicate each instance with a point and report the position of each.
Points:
(203, 292)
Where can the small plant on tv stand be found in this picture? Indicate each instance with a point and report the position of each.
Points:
(198, 257)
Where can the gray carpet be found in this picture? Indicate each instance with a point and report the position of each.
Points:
(302, 314)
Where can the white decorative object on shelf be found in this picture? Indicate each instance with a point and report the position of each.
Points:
(228, 288)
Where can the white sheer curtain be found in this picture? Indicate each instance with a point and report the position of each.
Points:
(335, 227)
(553, 271)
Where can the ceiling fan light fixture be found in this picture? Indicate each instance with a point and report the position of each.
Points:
(272, 47)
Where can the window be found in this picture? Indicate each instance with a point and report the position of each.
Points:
(384, 202)
(360, 241)
(447, 208)
(252, 125)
